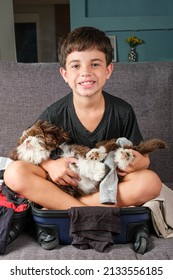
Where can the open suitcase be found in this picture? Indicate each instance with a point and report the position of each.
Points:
(52, 227)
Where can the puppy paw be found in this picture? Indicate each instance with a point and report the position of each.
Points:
(98, 154)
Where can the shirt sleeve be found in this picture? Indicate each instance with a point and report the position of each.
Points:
(45, 116)
(131, 128)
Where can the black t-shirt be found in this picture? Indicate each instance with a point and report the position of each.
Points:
(119, 120)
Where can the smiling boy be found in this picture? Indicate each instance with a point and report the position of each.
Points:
(90, 115)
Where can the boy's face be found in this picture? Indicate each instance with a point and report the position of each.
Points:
(86, 72)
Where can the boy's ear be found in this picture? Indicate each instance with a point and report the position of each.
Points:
(63, 73)
(110, 68)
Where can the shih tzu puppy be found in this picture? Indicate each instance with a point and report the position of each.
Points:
(39, 141)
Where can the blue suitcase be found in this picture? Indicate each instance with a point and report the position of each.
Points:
(52, 227)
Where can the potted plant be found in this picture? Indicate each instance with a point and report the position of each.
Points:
(133, 42)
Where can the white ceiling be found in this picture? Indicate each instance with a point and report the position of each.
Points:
(40, 2)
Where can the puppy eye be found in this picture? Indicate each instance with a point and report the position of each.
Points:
(39, 137)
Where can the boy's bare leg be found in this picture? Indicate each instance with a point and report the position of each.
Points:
(30, 181)
(136, 188)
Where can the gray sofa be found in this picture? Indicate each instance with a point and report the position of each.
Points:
(27, 89)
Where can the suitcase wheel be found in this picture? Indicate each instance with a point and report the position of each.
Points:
(47, 236)
(16, 229)
(141, 240)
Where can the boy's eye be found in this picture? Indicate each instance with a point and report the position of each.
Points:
(75, 66)
(95, 64)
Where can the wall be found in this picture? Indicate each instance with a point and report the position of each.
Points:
(44, 16)
(149, 20)
(7, 42)
(62, 21)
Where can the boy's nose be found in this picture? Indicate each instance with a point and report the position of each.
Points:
(85, 74)
(85, 70)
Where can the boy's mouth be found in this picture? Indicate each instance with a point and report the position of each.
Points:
(87, 83)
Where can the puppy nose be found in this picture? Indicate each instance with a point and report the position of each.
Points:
(28, 143)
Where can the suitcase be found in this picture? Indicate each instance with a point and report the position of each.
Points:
(52, 227)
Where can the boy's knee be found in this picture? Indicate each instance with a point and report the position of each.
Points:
(144, 186)
(154, 182)
(150, 185)
(13, 175)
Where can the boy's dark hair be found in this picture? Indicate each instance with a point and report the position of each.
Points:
(84, 38)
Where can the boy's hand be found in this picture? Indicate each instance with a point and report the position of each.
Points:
(140, 162)
(60, 172)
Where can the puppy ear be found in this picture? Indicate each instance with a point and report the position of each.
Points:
(13, 154)
(55, 137)
(61, 135)
(24, 133)
(52, 132)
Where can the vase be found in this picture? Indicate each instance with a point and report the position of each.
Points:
(132, 55)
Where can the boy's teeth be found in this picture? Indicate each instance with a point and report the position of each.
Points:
(86, 83)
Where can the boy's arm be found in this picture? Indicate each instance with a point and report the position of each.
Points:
(59, 171)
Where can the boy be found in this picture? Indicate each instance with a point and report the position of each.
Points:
(90, 115)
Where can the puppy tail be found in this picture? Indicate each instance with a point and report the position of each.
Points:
(150, 146)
